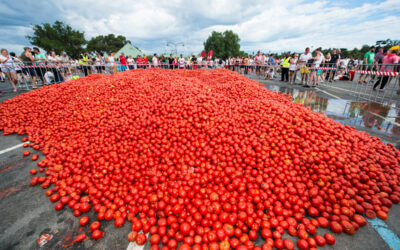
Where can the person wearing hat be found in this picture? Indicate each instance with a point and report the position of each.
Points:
(28, 60)
(389, 62)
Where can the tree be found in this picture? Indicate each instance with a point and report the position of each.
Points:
(109, 43)
(224, 44)
(58, 37)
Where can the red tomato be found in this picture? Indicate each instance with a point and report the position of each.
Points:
(80, 237)
(381, 215)
(155, 239)
(97, 234)
(141, 239)
(320, 240)
(185, 228)
(336, 227)
(302, 244)
(54, 197)
(84, 220)
(58, 206)
(35, 157)
(288, 244)
(132, 236)
(330, 239)
(95, 226)
(119, 222)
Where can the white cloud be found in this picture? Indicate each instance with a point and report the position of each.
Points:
(271, 25)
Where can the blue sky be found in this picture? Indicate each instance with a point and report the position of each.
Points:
(269, 25)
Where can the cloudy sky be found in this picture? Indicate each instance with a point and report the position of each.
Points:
(269, 25)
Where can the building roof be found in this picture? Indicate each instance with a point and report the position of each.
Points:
(129, 50)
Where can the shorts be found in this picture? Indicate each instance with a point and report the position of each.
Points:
(30, 71)
(319, 71)
(100, 68)
(40, 71)
(7, 70)
(258, 67)
(25, 71)
(304, 71)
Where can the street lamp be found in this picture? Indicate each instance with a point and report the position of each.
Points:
(174, 46)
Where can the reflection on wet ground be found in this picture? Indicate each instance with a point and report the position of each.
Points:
(377, 119)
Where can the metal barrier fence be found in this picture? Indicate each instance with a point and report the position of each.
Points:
(377, 83)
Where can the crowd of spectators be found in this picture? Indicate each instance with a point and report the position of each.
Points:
(307, 69)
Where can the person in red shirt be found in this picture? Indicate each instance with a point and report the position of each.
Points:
(122, 61)
(144, 61)
(139, 62)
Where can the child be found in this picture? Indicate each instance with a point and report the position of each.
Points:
(49, 77)
(269, 74)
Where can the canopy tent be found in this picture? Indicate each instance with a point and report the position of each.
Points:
(129, 50)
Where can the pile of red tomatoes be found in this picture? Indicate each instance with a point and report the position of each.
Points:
(201, 158)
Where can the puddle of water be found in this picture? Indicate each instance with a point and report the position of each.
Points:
(373, 117)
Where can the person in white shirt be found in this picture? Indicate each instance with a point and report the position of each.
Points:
(53, 61)
(19, 65)
(181, 62)
(111, 63)
(131, 62)
(302, 63)
(318, 59)
(7, 67)
(293, 68)
(65, 67)
(356, 63)
(100, 62)
(199, 61)
(259, 60)
(155, 61)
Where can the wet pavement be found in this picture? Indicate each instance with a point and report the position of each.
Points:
(27, 213)
(378, 119)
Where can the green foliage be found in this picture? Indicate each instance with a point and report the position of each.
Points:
(224, 44)
(109, 43)
(58, 37)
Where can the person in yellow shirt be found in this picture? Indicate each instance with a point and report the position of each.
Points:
(285, 67)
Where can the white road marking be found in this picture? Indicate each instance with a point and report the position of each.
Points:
(348, 90)
(11, 148)
(134, 246)
(326, 92)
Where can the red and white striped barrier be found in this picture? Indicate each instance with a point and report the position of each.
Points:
(159, 65)
(377, 73)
